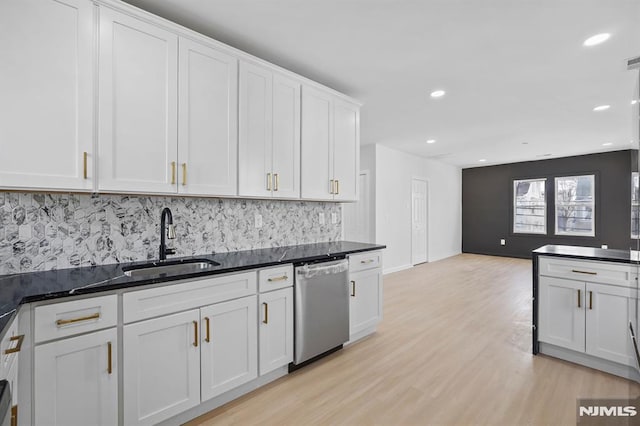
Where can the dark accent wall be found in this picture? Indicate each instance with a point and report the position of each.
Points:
(487, 201)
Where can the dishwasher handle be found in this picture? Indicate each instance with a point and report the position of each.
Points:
(318, 269)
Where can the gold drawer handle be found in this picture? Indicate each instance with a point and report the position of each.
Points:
(195, 338)
(173, 173)
(268, 181)
(282, 278)
(577, 271)
(208, 330)
(184, 174)
(266, 313)
(62, 322)
(353, 292)
(20, 339)
(331, 186)
(84, 164)
(579, 299)
(367, 261)
(276, 181)
(109, 359)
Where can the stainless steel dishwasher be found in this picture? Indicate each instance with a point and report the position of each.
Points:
(321, 309)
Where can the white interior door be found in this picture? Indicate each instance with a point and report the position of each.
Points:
(357, 217)
(419, 237)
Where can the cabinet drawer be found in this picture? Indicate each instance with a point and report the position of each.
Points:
(368, 260)
(143, 304)
(75, 317)
(584, 270)
(275, 278)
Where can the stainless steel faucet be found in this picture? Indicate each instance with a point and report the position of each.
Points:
(170, 232)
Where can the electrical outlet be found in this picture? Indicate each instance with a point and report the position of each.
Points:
(503, 242)
(258, 220)
(334, 218)
(604, 246)
(321, 218)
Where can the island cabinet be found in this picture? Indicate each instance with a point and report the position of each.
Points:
(46, 101)
(586, 307)
(330, 146)
(269, 137)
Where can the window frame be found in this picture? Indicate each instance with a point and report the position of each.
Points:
(515, 207)
(593, 179)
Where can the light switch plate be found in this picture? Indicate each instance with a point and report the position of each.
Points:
(258, 220)
(334, 218)
(321, 218)
(604, 246)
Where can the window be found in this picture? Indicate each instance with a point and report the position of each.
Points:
(635, 205)
(529, 206)
(575, 205)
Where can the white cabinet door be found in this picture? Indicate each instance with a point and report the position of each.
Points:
(609, 309)
(561, 317)
(276, 329)
(207, 121)
(229, 345)
(365, 309)
(286, 137)
(161, 368)
(46, 101)
(76, 380)
(316, 144)
(346, 151)
(255, 137)
(137, 100)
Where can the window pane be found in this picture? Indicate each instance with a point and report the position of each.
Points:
(635, 205)
(575, 205)
(529, 207)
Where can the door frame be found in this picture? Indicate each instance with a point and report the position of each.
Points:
(428, 202)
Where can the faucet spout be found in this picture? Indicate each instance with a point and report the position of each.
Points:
(166, 230)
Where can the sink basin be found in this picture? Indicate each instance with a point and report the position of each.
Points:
(172, 268)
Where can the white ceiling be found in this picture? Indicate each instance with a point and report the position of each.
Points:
(519, 82)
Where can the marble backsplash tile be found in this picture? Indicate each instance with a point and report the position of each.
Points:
(52, 231)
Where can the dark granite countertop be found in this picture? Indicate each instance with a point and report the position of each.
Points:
(587, 253)
(17, 289)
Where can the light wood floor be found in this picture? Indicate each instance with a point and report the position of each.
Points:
(454, 348)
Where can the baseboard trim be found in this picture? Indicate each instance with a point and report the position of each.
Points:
(386, 271)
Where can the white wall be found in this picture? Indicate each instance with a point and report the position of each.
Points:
(393, 172)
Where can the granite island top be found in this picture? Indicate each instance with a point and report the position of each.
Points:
(587, 253)
(17, 289)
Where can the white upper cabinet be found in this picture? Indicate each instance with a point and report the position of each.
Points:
(269, 139)
(46, 101)
(207, 120)
(330, 147)
(317, 144)
(346, 150)
(137, 99)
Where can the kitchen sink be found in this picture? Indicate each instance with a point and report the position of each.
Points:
(170, 268)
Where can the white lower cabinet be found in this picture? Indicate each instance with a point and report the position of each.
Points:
(365, 308)
(276, 329)
(76, 380)
(587, 317)
(229, 353)
(161, 366)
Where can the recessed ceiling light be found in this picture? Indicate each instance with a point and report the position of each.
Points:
(633, 102)
(607, 144)
(525, 143)
(596, 39)
(602, 107)
(482, 160)
(437, 93)
(431, 141)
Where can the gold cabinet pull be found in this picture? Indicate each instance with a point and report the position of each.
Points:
(579, 299)
(18, 346)
(590, 300)
(109, 359)
(14, 415)
(276, 181)
(282, 278)
(337, 186)
(84, 164)
(184, 174)
(367, 261)
(331, 191)
(268, 181)
(62, 322)
(173, 173)
(353, 288)
(195, 339)
(207, 330)
(266, 313)
(577, 271)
